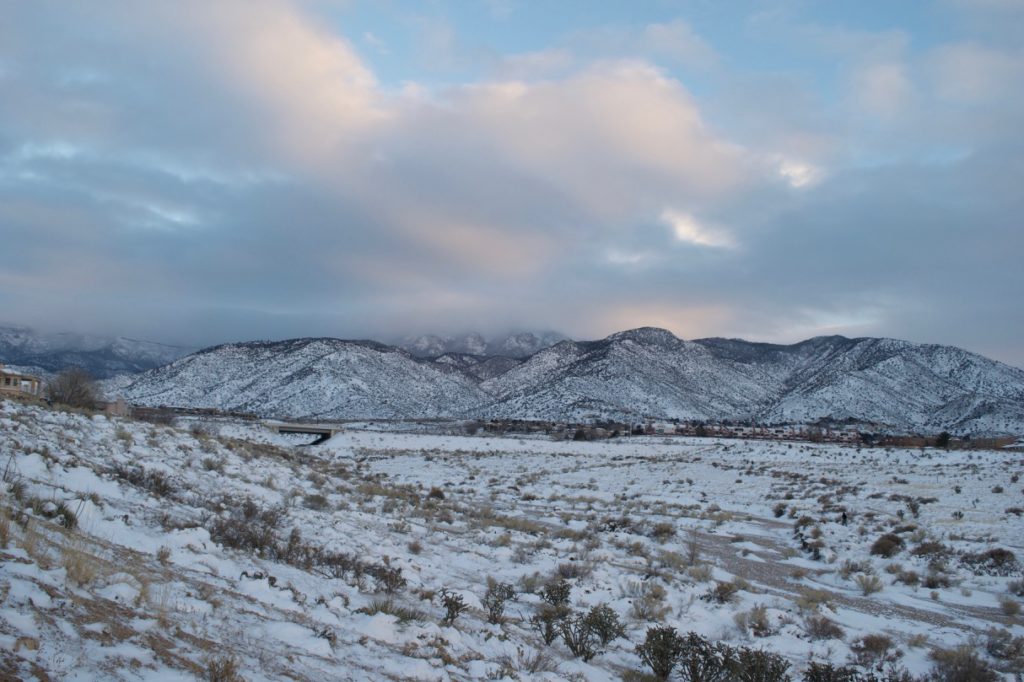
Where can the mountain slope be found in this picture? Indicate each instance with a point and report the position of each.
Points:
(315, 378)
(102, 357)
(518, 345)
(633, 375)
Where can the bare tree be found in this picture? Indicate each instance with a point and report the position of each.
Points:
(73, 387)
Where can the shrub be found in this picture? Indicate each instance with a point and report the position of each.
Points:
(874, 650)
(453, 605)
(756, 620)
(494, 600)
(74, 388)
(435, 493)
(547, 621)
(995, 561)
(868, 584)
(887, 545)
(1011, 607)
(722, 593)
(820, 627)
(961, 664)
(247, 527)
(156, 482)
(661, 650)
(1003, 646)
(224, 669)
(579, 636)
(663, 532)
(754, 665)
(649, 603)
(404, 614)
(605, 623)
(703, 661)
(827, 672)
(556, 592)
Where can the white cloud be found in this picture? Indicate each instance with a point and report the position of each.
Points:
(687, 228)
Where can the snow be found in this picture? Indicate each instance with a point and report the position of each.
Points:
(164, 599)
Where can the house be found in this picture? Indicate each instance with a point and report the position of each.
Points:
(19, 384)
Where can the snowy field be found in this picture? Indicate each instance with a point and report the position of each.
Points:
(144, 552)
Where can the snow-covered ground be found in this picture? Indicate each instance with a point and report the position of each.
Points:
(144, 552)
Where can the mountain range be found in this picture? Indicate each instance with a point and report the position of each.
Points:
(101, 356)
(633, 375)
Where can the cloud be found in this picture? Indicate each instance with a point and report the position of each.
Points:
(210, 173)
(686, 228)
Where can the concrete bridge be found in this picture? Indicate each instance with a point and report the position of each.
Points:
(322, 431)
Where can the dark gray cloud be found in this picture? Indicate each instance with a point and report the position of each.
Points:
(197, 173)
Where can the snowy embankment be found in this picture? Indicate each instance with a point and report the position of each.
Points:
(138, 551)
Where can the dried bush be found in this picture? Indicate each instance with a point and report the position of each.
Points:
(722, 593)
(247, 527)
(223, 669)
(887, 545)
(874, 651)
(868, 584)
(663, 532)
(156, 482)
(403, 613)
(1002, 645)
(820, 627)
(73, 387)
(961, 664)
(995, 561)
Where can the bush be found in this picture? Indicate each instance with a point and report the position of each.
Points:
(874, 650)
(605, 623)
(494, 600)
(754, 665)
(579, 636)
(74, 388)
(556, 592)
(996, 561)
(703, 661)
(722, 593)
(453, 605)
(1002, 645)
(961, 664)
(820, 627)
(223, 669)
(887, 545)
(661, 650)
(868, 584)
(826, 672)
(547, 621)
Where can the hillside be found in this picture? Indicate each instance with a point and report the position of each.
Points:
(133, 551)
(632, 375)
(100, 356)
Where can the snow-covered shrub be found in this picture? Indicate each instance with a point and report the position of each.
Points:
(868, 583)
(547, 621)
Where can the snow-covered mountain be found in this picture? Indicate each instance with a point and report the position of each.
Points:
(636, 374)
(518, 345)
(101, 356)
(315, 378)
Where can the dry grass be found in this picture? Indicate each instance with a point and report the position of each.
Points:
(81, 565)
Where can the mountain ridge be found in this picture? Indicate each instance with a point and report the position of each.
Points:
(630, 375)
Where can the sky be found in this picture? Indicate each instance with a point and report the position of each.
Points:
(199, 172)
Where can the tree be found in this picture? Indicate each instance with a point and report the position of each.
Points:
(73, 387)
(942, 440)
